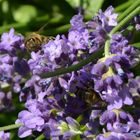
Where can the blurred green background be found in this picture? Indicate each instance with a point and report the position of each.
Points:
(30, 15)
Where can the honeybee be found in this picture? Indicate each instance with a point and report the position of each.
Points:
(91, 97)
(34, 41)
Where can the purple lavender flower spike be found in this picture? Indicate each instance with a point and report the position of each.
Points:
(53, 49)
(4, 136)
(77, 22)
(78, 40)
(134, 89)
(108, 18)
(126, 96)
(31, 121)
(24, 132)
(21, 67)
(10, 41)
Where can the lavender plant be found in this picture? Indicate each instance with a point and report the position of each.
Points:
(79, 86)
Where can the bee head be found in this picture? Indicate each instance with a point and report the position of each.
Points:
(33, 42)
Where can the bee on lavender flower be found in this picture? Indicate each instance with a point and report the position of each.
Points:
(91, 97)
(34, 41)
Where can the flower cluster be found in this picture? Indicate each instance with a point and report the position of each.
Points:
(12, 67)
(96, 102)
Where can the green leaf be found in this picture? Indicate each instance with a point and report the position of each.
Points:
(74, 3)
(79, 118)
(93, 6)
(136, 45)
(63, 127)
(25, 13)
(83, 128)
(77, 137)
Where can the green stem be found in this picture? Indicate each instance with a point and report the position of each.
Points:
(107, 48)
(129, 10)
(123, 6)
(73, 67)
(124, 21)
(41, 137)
(9, 127)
